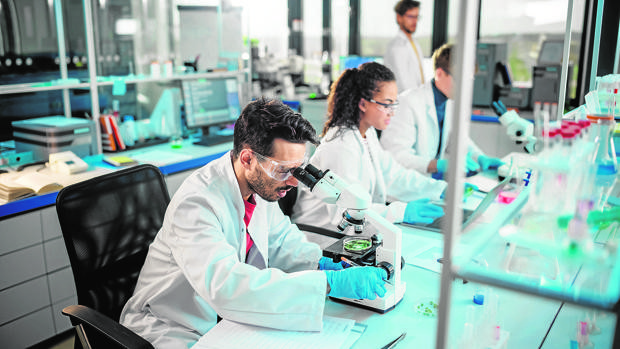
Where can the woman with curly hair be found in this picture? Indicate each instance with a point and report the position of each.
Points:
(361, 101)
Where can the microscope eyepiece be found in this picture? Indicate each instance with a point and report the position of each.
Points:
(305, 177)
(315, 172)
(309, 175)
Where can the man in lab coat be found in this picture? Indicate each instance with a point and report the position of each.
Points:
(419, 133)
(404, 54)
(225, 248)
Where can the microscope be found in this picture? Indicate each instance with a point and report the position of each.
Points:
(376, 241)
(518, 129)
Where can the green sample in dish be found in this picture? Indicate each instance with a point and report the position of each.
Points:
(357, 245)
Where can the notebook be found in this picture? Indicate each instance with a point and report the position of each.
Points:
(468, 215)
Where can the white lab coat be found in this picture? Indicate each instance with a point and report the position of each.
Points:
(412, 137)
(381, 176)
(195, 270)
(402, 60)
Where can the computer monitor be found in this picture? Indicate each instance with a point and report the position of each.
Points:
(551, 53)
(347, 62)
(211, 105)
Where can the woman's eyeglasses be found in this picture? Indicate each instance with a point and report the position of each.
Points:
(387, 107)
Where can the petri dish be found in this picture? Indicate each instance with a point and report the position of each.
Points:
(356, 244)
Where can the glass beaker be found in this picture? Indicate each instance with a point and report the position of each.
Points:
(605, 163)
(602, 128)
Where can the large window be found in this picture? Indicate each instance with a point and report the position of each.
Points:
(378, 26)
(267, 21)
(525, 25)
(313, 29)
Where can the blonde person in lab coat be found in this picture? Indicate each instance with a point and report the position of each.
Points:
(362, 100)
(226, 250)
(419, 134)
(404, 54)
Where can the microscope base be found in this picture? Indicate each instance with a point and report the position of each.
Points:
(379, 305)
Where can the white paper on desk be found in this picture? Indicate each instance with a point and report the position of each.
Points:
(423, 252)
(160, 157)
(483, 182)
(233, 335)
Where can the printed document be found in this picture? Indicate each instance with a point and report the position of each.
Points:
(232, 335)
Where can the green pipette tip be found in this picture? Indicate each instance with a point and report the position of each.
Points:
(604, 217)
(595, 218)
(563, 221)
(312, 95)
(573, 249)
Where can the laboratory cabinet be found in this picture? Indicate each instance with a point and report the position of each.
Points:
(37, 281)
(36, 278)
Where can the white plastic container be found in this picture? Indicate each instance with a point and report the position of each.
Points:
(129, 126)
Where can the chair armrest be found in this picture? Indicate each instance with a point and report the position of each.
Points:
(114, 331)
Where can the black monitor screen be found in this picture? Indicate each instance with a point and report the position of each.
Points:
(211, 102)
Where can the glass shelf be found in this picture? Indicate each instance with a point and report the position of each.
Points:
(110, 80)
(134, 79)
(498, 254)
(41, 86)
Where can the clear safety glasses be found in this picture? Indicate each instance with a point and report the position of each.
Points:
(279, 170)
(386, 107)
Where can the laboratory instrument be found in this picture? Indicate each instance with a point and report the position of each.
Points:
(487, 56)
(518, 129)
(385, 244)
(67, 163)
(53, 134)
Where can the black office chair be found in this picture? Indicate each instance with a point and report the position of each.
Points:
(108, 223)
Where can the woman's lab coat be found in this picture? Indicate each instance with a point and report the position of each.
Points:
(195, 268)
(412, 137)
(402, 60)
(382, 177)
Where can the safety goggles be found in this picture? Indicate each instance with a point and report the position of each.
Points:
(279, 170)
(386, 107)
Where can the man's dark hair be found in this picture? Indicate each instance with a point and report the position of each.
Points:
(405, 5)
(441, 58)
(264, 120)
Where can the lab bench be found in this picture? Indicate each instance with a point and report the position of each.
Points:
(526, 320)
(37, 282)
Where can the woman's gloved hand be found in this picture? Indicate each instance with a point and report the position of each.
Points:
(328, 264)
(357, 282)
(470, 164)
(487, 162)
(421, 211)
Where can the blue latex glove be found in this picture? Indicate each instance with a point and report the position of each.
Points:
(487, 162)
(357, 282)
(442, 165)
(470, 164)
(328, 264)
(421, 211)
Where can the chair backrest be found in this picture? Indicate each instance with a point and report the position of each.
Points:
(108, 223)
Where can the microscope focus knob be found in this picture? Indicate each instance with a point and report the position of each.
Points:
(389, 268)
